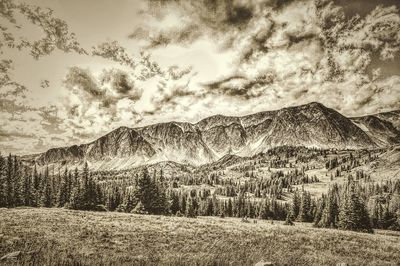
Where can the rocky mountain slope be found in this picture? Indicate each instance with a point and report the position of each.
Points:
(310, 125)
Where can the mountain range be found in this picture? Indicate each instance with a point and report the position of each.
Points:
(310, 125)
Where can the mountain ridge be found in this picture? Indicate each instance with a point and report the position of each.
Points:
(211, 138)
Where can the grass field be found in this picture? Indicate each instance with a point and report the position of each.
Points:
(65, 237)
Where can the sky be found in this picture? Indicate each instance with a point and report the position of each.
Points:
(71, 71)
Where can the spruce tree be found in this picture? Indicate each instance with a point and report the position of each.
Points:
(27, 188)
(17, 182)
(320, 208)
(45, 199)
(330, 212)
(9, 184)
(62, 194)
(3, 188)
(190, 211)
(148, 193)
(295, 206)
(353, 213)
(305, 208)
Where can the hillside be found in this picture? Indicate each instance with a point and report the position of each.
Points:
(312, 125)
(58, 236)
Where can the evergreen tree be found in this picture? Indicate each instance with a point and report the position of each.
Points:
(9, 184)
(3, 187)
(190, 211)
(330, 212)
(62, 194)
(319, 211)
(152, 196)
(353, 214)
(27, 195)
(76, 200)
(305, 214)
(17, 182)
(295, 206)
(45, 199)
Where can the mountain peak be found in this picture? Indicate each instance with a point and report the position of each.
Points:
(220, 136)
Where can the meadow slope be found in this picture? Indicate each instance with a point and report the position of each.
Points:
(65, 237)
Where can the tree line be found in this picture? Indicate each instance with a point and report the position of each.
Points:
(355, 205)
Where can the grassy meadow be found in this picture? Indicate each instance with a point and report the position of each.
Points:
(66, 237)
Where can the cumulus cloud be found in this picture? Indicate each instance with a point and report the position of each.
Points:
(82, 79)
(121, 83)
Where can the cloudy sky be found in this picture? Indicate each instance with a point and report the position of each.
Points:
(72, 70)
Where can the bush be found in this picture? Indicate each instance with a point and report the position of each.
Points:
(100, 208)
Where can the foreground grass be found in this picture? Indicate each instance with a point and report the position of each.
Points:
(65, 237)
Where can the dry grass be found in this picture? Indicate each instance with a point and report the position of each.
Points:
(65, 237)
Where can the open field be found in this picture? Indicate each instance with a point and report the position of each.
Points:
(64, 237)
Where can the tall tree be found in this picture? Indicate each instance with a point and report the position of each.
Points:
(3, 187)
(46, 195)
(353, 213)
(330, 212)
(305, 214)
(295, 206)
(9, 184)
(62, 195)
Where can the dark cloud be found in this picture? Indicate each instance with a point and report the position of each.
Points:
(84, 80)
(362, 7)
(121, 83)
(282, 3)
(240, 86)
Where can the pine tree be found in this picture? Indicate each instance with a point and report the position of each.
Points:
(149, 194)
(305, 214)
(62, 194)
(190, 211)
(129, 202)
(45, 199)
(76, 200)
(319, 210)
(330, 212)
(295, 206)
(17, 182)
(353, 214)
(174, 202)
(27, 189)
(3, 188)
(9, 184)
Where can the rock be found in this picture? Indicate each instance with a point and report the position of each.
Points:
(341, 264)
(264, 263)
(11, 256)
